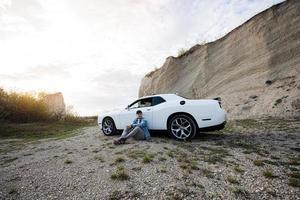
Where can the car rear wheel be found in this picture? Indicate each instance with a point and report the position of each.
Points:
(182, 127)
(108, 126)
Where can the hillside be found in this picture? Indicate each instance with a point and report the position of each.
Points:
(254, 68)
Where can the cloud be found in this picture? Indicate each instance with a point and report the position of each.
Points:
(38, 72)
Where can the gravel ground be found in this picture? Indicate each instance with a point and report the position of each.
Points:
(242, 162)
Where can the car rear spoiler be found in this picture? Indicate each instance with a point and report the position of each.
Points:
(219, 100)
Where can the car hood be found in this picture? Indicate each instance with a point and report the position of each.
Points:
(111, 112)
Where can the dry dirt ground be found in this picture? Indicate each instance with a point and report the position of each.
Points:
(248, 160)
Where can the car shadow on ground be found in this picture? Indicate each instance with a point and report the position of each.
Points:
(203, 136)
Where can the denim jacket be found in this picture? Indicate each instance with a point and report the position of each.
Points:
(143, 125)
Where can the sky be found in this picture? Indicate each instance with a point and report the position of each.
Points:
(96, 52)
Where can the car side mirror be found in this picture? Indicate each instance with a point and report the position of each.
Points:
(127, 108)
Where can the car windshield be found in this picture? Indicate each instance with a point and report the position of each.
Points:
(141, 103)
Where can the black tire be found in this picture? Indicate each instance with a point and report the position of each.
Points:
(108, 126)
(182, 127)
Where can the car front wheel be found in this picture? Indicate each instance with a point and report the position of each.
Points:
(182, 127)
(108, 126)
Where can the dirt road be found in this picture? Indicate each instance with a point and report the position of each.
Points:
(248, 160)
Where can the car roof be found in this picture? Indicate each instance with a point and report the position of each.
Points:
(169, 96)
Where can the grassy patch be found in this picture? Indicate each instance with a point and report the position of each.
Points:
(68, 161)
(294, 179)
(238, 169)
(268, 173)
(120, 174)
(231, 179)
(215, 155)
(162, 170)
(99, 158)
(138, 168)
(119, 159)
(12, 191)
(115, 195)
(118, 152)
(162, 158)
(170, 153)
(136, 153)
(294, 182)
(258, 163)
(295, 175)
(208, 173)
(239, 191)
(8, 160)
(148, 158)
(186, 161)
(294, 161)
(36, 131)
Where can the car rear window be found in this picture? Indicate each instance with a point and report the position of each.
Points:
(157, 100)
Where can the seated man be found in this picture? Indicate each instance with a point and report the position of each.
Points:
(138, 130)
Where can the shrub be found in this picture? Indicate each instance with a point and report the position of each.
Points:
(120, 174)
(68, 161)
(22, 107)
(268, 173)
(181, 52)
(258, 162)
(232, 179)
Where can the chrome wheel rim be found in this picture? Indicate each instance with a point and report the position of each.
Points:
(107, 127)
(181, 128)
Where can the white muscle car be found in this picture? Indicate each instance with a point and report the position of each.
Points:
(182, 117)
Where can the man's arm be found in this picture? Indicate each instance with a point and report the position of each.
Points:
(133, 124)
(142, 124)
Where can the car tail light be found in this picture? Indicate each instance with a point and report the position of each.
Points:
(219, 101)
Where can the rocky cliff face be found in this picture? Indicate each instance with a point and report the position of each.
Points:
(55, 103)
(254, 68)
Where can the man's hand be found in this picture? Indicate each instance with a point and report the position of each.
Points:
(128, 126)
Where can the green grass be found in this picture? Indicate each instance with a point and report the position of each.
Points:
(208, 173)
(37, 131)
(258, 163)
(268, 173)
(238, 169)
(120, 174)
(147, 158)
(99, 158)
(232, 179)
(239, 191)
(294, 179)
(295, 175)
(115, 195)
(170, 154)
(68, 161)
(7, 161)
(136, 153)
(215, 155)
(119, 159)
(294, 161)
(294, 182)
(12, 191)
(19, 134)
(162, 170)
(162, 158)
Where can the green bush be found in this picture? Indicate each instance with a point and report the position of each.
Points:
(22, 107)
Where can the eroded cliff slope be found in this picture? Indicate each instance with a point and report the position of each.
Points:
(254, 68)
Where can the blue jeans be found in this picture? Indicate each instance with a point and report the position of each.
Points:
(136, 132)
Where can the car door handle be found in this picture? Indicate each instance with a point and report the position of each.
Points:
(148, 109)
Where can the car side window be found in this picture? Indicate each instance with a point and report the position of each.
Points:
(157, 100)
(147, 102)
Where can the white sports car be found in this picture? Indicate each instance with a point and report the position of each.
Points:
(182, 117)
